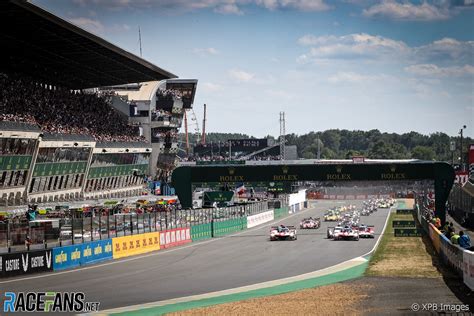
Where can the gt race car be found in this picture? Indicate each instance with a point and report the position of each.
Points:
(283, 232)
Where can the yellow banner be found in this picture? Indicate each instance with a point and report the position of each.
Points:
(135, 245)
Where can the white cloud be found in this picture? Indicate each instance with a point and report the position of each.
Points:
(408, 11)
(240, 75)
(352, 77)
(219, 6)
(91, 25)
(206, 51)
(447, 48)
(374, 47)
(229, 8)
(433, 70)
(350, 46)
(210, 87)
(301, 5)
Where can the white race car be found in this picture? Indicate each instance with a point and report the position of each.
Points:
(283, 232)
(333, 231)
(310, 223)
(346, 233)
(366, 231)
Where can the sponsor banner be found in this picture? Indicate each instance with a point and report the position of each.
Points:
(434, 236)
(26, 262)
(461, 177)
(350, 197)
(371, 196)
(67, 257)
(326, 196)
(81, 254)
(468, 268)
(452, 255)
(175, 237)
(407, 232)
(340, 197)
(361, 197)
(332, 197)
(255, 220)
(136, 244)
(96, 251)
(404, 211)
(403, 224)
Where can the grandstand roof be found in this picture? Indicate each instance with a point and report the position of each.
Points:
(41, 45)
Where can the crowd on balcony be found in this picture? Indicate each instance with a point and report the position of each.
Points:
(62, 111)
(227, 158)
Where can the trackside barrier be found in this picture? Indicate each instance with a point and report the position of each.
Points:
(201, 231)
(26, 262)
(461, 260)
(280, 212)
(81, 254)
(258, 219)
(229, 226)
(468, 268)
(135, 244)
(175, 237)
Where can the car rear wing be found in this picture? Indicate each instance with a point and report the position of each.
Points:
(291, 227)
(318, 219)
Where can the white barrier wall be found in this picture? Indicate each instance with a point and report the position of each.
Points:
(255, 220)
(296, 198)
(468, 268)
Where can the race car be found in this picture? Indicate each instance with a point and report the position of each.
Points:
(366, 231)
(347, 233)
(332, 217)
(310, 223)
(283, 232)
(331, 231)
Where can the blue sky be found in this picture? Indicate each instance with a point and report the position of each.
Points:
(396, 66)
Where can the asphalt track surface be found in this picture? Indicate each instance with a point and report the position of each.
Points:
(217, 264)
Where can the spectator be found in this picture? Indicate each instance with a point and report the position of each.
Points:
(464, 240)
(27, 243)
(454, 239)
(62, 111)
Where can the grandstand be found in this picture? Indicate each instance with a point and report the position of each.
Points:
(64, 138)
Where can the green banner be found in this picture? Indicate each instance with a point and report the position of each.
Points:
(280, 212)
(229, 226)
(217, 196)
(201, 231)
(403, 224)
(59, 168)
(408, 232)
(15, 162)
(404, 211)
(220, 162)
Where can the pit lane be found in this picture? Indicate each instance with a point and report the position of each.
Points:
(241, 259)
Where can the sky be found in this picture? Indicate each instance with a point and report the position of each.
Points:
(396, 66)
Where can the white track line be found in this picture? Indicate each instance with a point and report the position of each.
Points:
(381, 234)
(155, 253)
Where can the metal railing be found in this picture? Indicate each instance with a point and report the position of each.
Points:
(101, 224)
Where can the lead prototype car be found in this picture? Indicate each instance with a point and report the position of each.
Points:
(283, 232)
(310, 223)
(346, 233)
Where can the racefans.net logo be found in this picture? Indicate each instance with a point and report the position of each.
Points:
(48, 302)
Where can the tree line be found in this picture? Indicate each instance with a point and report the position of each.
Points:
(344, 144)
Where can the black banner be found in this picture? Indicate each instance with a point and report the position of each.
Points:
(26, 262)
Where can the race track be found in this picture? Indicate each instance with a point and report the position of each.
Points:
(241, 259)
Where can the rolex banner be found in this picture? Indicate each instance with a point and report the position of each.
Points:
(25, 262)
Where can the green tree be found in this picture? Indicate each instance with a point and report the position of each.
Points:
(423, 153)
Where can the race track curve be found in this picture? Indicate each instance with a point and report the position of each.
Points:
(222, 263)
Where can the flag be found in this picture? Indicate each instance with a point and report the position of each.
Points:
(240, 189)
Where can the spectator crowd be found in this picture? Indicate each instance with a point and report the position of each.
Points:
(62, 111)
